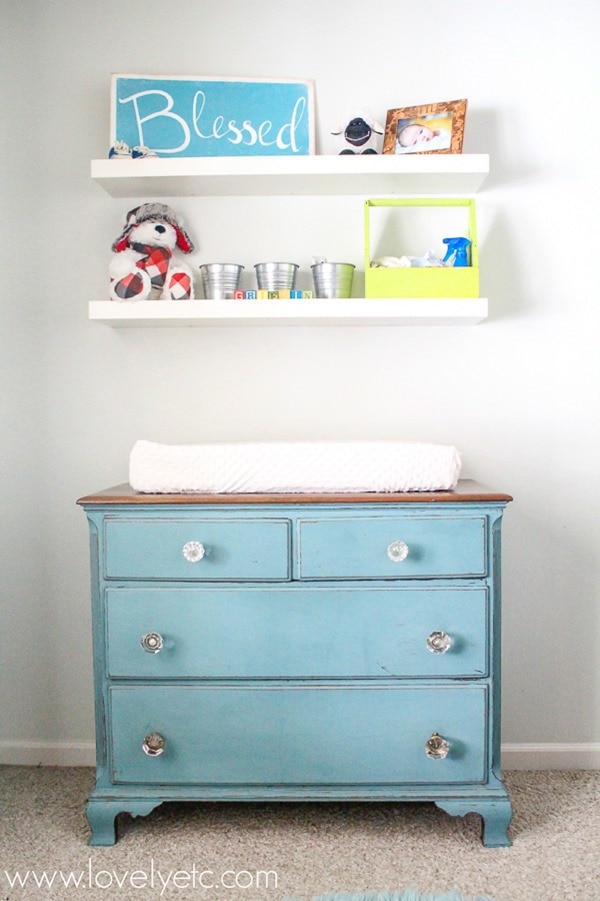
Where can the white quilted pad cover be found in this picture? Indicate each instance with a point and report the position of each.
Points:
(319, 467)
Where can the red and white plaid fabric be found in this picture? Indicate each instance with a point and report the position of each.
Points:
(155, 261)
(180, 286)
(129, 286)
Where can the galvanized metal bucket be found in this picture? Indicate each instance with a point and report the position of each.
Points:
(276, 276)
(220, 280)
(333, 279)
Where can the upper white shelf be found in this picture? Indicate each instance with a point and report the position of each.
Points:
(436, 173)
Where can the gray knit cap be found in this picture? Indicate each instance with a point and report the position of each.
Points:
(157, 212)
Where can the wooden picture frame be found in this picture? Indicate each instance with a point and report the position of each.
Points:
(434, 128)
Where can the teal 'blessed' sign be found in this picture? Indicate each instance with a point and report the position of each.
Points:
(184, 116)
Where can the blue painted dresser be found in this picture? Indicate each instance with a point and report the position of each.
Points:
(297, 647)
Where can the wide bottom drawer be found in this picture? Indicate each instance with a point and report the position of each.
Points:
(297, 734)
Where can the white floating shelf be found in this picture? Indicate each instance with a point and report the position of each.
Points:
(441, 173)
(315, 311)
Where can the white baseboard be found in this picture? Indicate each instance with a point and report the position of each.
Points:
(550, 756)
(48, 753)
(542, 756)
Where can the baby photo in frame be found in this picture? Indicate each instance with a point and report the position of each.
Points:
(434, 128)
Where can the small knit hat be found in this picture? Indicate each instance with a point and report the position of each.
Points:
(156, 212)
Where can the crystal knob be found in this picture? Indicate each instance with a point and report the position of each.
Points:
(437, 747)
(152, 642)
(193, 551)
(439, 642)
(153, 745)
(397, 551)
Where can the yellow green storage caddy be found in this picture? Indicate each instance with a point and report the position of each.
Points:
(431, 281)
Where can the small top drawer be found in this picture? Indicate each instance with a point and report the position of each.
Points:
(392, 547)
(196, 549)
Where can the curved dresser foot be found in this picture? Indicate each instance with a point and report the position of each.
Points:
(101, 816)
(495, 813)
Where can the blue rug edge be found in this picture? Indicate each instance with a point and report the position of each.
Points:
(407, 895)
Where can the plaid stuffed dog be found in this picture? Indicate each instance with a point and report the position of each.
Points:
(143, 266)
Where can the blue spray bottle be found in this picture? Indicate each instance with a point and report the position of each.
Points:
(458, 247)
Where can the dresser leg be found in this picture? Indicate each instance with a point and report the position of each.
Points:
(101, 816)
(496, 815)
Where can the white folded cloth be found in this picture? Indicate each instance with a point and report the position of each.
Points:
(301, 467)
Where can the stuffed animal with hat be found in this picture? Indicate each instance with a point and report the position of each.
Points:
(143, 266)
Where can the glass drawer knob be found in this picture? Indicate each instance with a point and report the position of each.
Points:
(439, 642)
(152, 642)
(397, 551)
(193, 551)
(153, 745)
(437, 747)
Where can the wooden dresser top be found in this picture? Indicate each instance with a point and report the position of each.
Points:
(466, 491)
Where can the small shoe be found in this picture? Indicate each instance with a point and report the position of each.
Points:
(119, 151)
(138, 153)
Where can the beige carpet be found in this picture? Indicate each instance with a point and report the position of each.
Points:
(307, 848)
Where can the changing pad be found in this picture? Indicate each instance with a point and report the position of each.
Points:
(303, 467)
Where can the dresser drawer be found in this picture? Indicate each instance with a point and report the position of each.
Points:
(391, 547)
(274, 734)
(197, 549)
(303, 632)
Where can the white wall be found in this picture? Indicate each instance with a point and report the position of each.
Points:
(517, 394)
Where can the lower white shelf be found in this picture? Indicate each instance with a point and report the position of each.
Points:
(309, 311)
